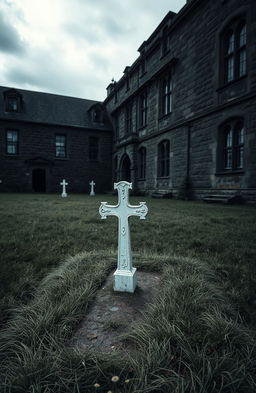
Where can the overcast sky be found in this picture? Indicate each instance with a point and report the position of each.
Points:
(74, 47)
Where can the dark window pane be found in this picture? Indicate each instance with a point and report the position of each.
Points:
(12, 142)
(60, 146)
(242, 62)
(233, 145)
(163, 159)
(242, 36)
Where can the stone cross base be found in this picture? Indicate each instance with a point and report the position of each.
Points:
(125, 281)
(64, 195)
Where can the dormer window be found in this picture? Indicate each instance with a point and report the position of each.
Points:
(127, 83)
(127, 77)
(97, 113)
(165, 41)
(12, 101)
(142, 65)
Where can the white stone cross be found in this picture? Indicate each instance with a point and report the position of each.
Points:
(92, 184)
(64, 184)
(125, 275)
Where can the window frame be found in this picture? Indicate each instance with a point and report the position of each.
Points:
(166, 91)
(165, 42)
(232, 146)
(61, 146)
(8, 106)
(128, 118)
(12, 143)
(142, 161)
(163, 159)
(234, 51)
(143, 109)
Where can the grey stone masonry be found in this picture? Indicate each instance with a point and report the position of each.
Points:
(42, 117)
(191, 48)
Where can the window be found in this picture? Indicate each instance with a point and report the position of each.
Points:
(93, 148)
(128, 118)
(166, 94)
(234, 51)
(232, 145)
(97, 115)
(12, 142)
(116, 129)
(115, 97)
(142, 66)
(163, 158)
(12, 102)
(142, 163)
(165, 41)
(60, 146)
(143, 109)
(127, 82)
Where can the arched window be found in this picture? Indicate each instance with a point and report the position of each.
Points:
(232, 145)
(234, 50)
(163, 158)
(142, 163)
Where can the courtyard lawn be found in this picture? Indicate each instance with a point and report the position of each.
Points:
(56, 251)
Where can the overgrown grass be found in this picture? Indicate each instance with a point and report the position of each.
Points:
(190, 340)
(193, 339)
(38, 231)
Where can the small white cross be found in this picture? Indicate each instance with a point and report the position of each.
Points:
(64, 184)
(92, 184)
(125, 278)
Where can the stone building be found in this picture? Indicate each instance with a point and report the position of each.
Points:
(183, 116)
(45, 138)
(184, 113)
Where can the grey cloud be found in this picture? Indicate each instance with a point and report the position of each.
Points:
(114, 27)
(10, 41)
(83, 32)
(51, 76)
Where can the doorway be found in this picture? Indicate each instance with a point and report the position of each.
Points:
(125, 171)
(39, 180)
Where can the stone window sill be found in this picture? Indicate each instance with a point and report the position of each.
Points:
(230, 172)
(231, 83)
(165, 116)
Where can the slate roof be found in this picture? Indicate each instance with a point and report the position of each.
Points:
(46, 108)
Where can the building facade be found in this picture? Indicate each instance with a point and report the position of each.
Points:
(181, 120)
(184, 113)
(45, 138)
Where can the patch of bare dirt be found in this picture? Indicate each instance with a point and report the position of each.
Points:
(113, 312)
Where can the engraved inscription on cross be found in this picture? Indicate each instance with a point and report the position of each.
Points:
(125, 279)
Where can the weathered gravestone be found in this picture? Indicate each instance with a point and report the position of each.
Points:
(92, 184)
(64, 184)
(125, 275)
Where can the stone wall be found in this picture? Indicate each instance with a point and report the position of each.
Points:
(37, 150)
(201, 103)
